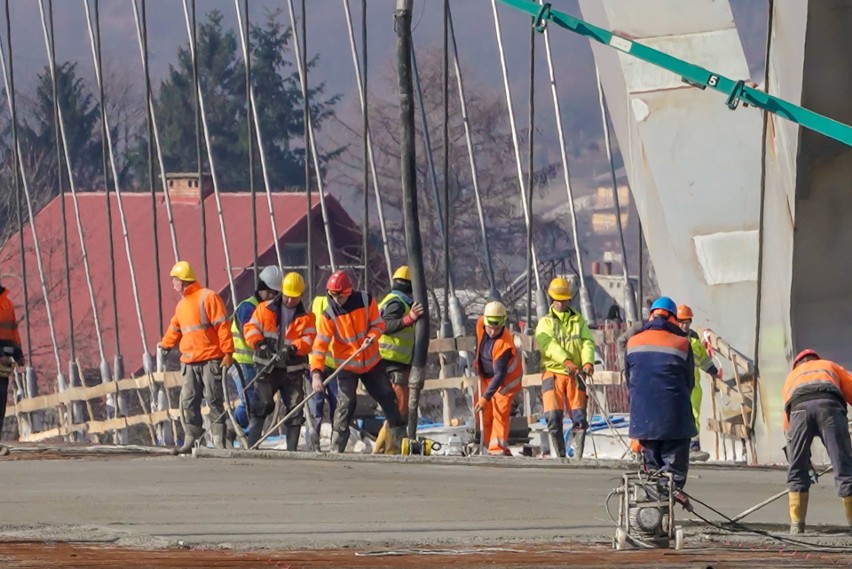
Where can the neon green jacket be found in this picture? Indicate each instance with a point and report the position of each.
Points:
(703, 361)
(564, 336)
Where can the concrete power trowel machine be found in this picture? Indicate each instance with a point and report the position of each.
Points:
(646, 512)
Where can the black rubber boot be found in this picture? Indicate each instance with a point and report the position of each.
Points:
(293, 435)
(578, 443)
(557, 446)
(217, 430)
(338, 441)
(191, 436)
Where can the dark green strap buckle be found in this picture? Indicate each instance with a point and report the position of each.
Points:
(736, 95)
(540, 22)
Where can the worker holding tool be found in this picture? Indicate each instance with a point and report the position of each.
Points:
(498, 365)
(396, 345)
(10, 352)
(567, 347)
(329, 393)
(281, 330)
(243, 373)
(703, 362)
(816, 393)
(200, 324)
(660, 375)
(352, 319)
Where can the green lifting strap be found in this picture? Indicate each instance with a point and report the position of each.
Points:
(736, 91)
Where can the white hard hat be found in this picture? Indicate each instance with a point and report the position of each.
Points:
(271, 276)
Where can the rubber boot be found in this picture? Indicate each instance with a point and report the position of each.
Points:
(798, 511)
(315, 441)
(578, 443)
(381, 440)
(230, 436)
(393, 443)
(255, 430)
(217, 430)
(847, 503)
(695, 452)
(293, 434)
(338, 441)
(557, 446)
(4, 450)
(191, 436)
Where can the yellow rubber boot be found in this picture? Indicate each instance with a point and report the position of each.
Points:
(798, 511)
(381, 440)
(847, 503)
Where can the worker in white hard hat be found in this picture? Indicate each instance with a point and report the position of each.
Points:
(243, 374)
(498, 365)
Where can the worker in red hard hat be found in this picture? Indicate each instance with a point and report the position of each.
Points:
(816, 393)
(352, 319)
(703, 362)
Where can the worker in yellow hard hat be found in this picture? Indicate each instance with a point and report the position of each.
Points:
(396, 346)
(567, 347)
(201, 326)
(281, 331)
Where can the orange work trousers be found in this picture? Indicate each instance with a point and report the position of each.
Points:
(560, 392)
(495, 418)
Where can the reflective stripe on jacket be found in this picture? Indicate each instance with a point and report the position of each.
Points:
(511, 382)
(564, 336)
(264, 326)
(242, 351)
(318, 307)
(815, 379)
(703, 361)
(201, 325)
(399, 346)
(348, 326)
(9, 335)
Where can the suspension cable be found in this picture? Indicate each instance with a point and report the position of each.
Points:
(474, 173)
(250, 141)
(445, 154)
(118, 197)
(362, 88)
(308, 137)
(365, 233)
(258, 133)
(302, 64)
(515, 142)
(211, 162)
(196, 89)
(43, 281)
(142, 40)
(530, 178)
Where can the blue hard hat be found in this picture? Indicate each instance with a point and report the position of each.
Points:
(664, 303)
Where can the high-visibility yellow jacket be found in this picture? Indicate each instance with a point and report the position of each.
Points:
(562, 336)
(703, 361)
(243, 353)
(319, 304)
(397, 345)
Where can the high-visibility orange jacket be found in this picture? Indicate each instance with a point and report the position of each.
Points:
(264, 325)
(503, 360)
(201, 325)
(349, 325)
(816, 379)
(9, 336)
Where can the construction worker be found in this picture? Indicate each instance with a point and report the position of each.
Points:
(703, 362)
(352, 319)
(660, 375)
(317, 403)
(10, 352)
(290, 348)
(200, 324)
(396, 345)
(815, 397)
(499, 367)
(567, 346)
(268, 286)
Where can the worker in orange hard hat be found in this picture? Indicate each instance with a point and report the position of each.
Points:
(703, 362)
(567, 347)
(816, 393)
(353, 320)
(10, 351)
(203, 329)
(499, 367)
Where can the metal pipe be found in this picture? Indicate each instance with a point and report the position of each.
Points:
(530, 182)
(308, 136)
(365, 135)
(247, 61)
(445, 119)
(196, 97)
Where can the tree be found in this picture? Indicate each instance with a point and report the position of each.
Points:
(222, 78)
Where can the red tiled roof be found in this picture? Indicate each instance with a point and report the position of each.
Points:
(290, 220)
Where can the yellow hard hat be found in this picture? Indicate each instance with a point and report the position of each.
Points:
(293, 285)
(183, 271)
(560, 289)
(495, 313)
(402, 273)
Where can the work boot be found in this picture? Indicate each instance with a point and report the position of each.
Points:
(191, 437)
(799, 510)
(381, 440)
(293, 434)
(4, 450)
(847, 503)
(315, 441)
(578, 443)
(683, 500)
(695, 452)
(338, 441)
(217, 430)
(557, 446)
(230, 436)
(255, 430)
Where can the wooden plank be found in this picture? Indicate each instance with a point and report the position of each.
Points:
(730, 392)
(735, 430)
(448, 345)
(42, 436)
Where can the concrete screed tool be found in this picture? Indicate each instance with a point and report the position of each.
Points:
(646, 515)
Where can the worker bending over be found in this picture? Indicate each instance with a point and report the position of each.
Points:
(281, 330)
(10, 352)
(352, 319)
(815, 397)
(243, 373)
(200, 324)
(396, 346)
(660, 375)
(499, 368)
(567, 346)
(703, 362)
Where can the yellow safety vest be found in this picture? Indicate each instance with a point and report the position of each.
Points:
(242, 351)
(319, 305)
(399, 346)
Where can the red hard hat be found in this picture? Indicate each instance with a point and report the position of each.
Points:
(803, 354)
(339, 283)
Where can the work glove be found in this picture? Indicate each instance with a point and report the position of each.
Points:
(264, 352)
(227, 361)
(287, 352)
(165, 351)
(589, 369)
(368, 341)
(480, 405)
(413, 315)
(316, 382)
(570, 367)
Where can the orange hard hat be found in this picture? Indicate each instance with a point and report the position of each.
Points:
(684, 312)
(804, 354)
(339, 283)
